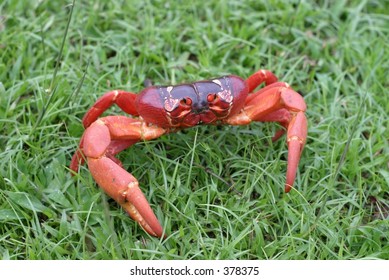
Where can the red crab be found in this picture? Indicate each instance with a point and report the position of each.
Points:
(158, 110)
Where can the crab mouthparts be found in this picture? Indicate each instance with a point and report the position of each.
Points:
(200, 110)
(202, 116)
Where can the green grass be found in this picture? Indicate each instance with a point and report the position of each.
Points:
(217, 190)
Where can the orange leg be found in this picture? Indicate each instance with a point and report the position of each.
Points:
(101, 141)
(278, 102)
(125, 100)
(259, 77)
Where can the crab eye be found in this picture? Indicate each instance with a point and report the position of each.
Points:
(186, 101)
(212, 97)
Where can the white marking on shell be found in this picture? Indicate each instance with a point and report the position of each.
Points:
(218, 83)
(226, 95)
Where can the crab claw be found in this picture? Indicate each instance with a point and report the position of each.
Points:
(101, 141)
(124, 188)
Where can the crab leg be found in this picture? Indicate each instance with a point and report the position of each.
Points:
(125, 100)
(279, 103)
(259, 77)
(297, 134)
(115, 147)
(101, 140)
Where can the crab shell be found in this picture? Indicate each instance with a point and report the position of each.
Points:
(187, 105)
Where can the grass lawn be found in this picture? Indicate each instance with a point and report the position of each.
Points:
(218, 191)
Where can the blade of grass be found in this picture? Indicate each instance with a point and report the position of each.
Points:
(79, 85)
(192, 158)
(52, 88)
